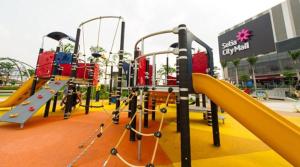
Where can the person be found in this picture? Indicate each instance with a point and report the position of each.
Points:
(76, 99)
(64, 98)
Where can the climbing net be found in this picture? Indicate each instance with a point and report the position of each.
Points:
(157, 134)
(99, 131)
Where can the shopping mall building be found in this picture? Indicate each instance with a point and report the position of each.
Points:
(268, 35)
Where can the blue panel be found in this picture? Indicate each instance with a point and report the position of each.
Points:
(63, 58)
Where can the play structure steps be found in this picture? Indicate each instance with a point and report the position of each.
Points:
(270, 127)
(24, 111)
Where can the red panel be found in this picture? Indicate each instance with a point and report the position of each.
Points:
(171, 80)
(45, 64)
(66, 69)
(96, 74)
(82, 70)
(200, 63)
(142, 70)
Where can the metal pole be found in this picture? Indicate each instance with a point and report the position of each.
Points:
(146, 104)
(54, 102)
(131, 75)
(71, 84)
(120, 67)
(154, 71)
(90, 83)
(215, 124)
(110, 83)
(133, 111)
(203, 100)
(153, 107)
(35, 79)
(139, 137)
(54, 72)
(183, 92)
(167, 70)
(197, 100)
(177, 97)
(214, 107)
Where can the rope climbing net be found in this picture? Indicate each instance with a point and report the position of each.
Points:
(157, 134)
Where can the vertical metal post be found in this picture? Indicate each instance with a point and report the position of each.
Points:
(35, 79)
(71, 84)
(120, 68)
(184, 92)
(153, 107)
(46, 112)
(131, 75)
(197, 100)
(214, 107)
(134, 99)
(204, 106)
(54, 72)
(110, 84)
(177, 97)
(154, 71)
(146, 100)
(54, 102)
(203, 100)
(167, 70)
(133, 103)
(215, 124)
(140, 126)
(89, 88)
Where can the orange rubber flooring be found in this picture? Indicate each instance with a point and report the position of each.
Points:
(55, 142)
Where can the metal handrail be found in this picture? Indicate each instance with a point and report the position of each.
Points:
(101, 17)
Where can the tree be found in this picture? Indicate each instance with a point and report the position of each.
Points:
(224, 65)
(252, 61)
(236, 64)
(163, 70)
(67, 48)
(6, 68)
(289, 75)
(295, 57)
(244, 78)
(216, 72)
(97, 49)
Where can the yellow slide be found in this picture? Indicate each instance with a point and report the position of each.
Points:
(22, 93)
(280, 134)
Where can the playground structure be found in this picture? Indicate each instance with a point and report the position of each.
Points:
(205, 83)
(54, 70)
(194, 75)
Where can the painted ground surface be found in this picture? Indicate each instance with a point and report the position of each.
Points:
(55, 142)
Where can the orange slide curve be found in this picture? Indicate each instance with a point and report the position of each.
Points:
(277, 132)
(22, 93)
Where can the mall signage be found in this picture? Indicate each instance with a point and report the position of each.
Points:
(239, 44)
(254, 37)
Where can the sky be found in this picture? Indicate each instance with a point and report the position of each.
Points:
(24, 22)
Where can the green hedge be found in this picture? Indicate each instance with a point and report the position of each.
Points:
(9, 87)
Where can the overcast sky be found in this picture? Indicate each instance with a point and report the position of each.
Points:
(24, 22)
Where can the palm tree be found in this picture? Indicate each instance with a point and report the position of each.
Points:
(295, 55)
(252, 61)
(224, 65)
(236, 64)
